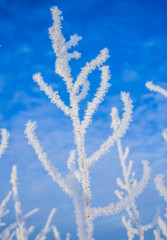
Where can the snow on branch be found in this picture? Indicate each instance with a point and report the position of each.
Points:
(98, 98)
(6, 233)
(159, 184)
(4, 141)
(120, 131)
(53, 95)
(60, 47)
(68, 236)
(131, 231)
(156, 88)
(74, 39)
(21, 232)
(3, 211)
(56, 233)
(42, 156)
(89, 68)
(127, 185)
(47, 227)
(153, 223)
(84, 91)
(152, 87)
(162, 226)
(115, 208)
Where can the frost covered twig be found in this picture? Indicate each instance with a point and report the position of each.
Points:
(21, 232)
(159, 183)
(127, 200)
(56, 233)
(3, 146)
(54, 96)
(3, 211)
(156, 88)
(33, 140)
(162, 189)
(119, 133)
(92, 106)
(4, 141)
(17, 229)
(7, 232)
(47, 227)
(89, 67)
(152, 87)
(127, 185)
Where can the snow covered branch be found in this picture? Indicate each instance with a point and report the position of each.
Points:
(115, 208)
(89, 68)
(3, 211)
(101, 92)
(47, 227)
(42, 156)
(152, 87)
(159, 183)
(21, 232)
(54, 96)
(4, 141)
(119, 133)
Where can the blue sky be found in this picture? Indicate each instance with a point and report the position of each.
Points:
(135, 34)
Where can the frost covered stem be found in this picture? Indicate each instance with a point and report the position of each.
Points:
(126, 202)
(42, 156)
(4, 140)
(152, 87)
(21, 231)
(80, 140)
(137, 219)
(127, 182)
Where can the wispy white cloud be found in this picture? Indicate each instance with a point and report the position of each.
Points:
(129, 75)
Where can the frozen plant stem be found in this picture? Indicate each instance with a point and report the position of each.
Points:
(128, 184)
(4, 141)
(47, 227)
(159, 179)
(162, 189)
(21, 232)
(77, 182)
(3, 210)
(152, 87)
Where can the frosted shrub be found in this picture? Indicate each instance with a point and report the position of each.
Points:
(17, 230)
(77, 182)
(159, 179)
(133, 224)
